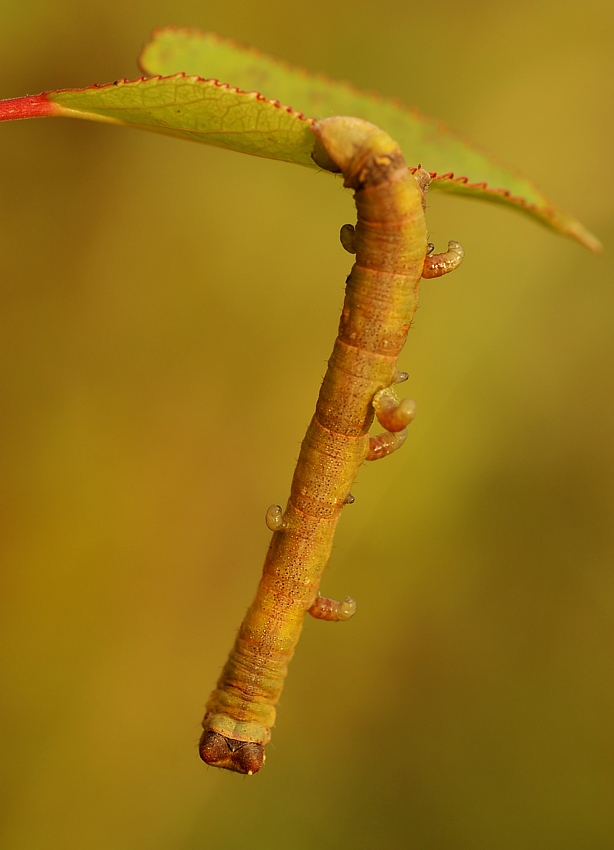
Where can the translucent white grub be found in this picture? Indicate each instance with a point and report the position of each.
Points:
(392, 414)
(422, 178)
(436, 265)
(325, 608)
(385, 444)
(347, 608)
(274, 518)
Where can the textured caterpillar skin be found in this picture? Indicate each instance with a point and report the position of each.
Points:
(381, 298)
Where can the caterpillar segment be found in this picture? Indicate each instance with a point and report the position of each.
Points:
(381, 297)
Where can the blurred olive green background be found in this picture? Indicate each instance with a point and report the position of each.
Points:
(167, 313)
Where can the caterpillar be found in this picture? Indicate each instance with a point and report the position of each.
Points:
(390, 243)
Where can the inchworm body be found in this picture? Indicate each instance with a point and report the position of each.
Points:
(390, 243)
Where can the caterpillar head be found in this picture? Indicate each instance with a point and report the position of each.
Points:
(240, 756)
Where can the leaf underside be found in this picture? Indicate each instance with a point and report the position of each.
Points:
(189, 96)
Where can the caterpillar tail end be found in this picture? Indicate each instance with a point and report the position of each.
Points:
(246, 757)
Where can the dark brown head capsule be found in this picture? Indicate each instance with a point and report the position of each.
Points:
(240, 756)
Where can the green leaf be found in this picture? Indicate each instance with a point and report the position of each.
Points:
(191, 99)
(189, 107)
(455, 165)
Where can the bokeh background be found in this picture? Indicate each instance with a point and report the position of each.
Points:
(167, 313)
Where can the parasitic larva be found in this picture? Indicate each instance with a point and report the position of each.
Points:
(330, 609)
(347, 235)
(423, 179)
(274, 518)
(392, 414)
(436, 265)
(385, 444)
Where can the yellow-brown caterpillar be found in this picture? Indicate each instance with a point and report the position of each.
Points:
(390, 243)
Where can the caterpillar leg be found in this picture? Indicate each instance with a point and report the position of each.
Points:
(346, 235)
(245, 757)
(394, 416)
(329, 609)
(435, 265)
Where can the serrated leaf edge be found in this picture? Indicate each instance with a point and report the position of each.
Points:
(181, 75)
(548, 214)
